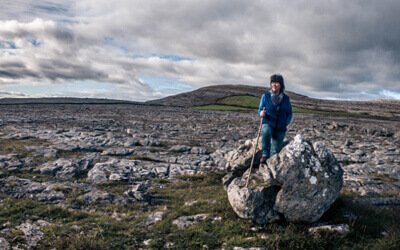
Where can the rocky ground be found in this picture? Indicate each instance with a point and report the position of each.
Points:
(50, 151)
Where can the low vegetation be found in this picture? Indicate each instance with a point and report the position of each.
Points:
(17, 146)
(121, 227)
(221, 107)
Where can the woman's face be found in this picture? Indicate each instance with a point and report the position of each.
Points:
(276, 87)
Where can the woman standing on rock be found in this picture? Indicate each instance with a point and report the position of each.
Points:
(276, 117)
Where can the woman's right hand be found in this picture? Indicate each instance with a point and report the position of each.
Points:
(263, 113)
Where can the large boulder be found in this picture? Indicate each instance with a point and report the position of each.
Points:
(300, 183)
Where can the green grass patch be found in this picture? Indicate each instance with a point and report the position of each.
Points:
(221, 107)
(241, 101)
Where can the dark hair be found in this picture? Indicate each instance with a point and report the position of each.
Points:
(278, 78)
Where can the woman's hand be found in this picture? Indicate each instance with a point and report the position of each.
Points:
(263, 113)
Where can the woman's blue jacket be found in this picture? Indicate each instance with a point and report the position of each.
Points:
(285, 113)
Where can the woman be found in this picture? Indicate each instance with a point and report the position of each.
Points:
(276, 117)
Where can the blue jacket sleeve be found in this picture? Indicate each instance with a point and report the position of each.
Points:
(289, 113)
(262, 103)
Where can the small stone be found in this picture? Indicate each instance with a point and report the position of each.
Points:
(43, 223)
(169, 244)
(216, 219)
(254, 229)
(190, 203)
(153, 218)
(342, 229)
(117, 151)
(147, 242)
(179, 148)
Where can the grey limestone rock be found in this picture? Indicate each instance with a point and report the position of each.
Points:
(117, 151)
(125, 170)
(341, 229)
(179, 148)
(21, 188)
(301, 183)
(153, 219)
(10, 163)
(187, 221)
(4, 244)
(138, 192)
(32, 233)
(43, 151)
(64, 169)
(177, 169)
(97, 196)
(198, 150)
(310, 179)
(150, 142)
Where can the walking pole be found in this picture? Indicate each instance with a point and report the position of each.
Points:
(255, 148)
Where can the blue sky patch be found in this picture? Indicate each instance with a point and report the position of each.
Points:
(162, 83)
(174, 58)
(7, 45)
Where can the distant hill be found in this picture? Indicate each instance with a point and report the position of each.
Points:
(211, 95)
(62, 100)
(385, 109)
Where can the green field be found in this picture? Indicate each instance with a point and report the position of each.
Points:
(241, 101)
(221, 107)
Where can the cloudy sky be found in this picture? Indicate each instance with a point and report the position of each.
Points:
(141, 50)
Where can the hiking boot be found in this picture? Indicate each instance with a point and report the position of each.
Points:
(263, 160)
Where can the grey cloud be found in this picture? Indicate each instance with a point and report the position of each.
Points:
(334, 48)
(28, 10)
(67, 70)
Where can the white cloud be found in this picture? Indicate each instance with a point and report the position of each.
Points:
(390, 94)
(10, 94)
